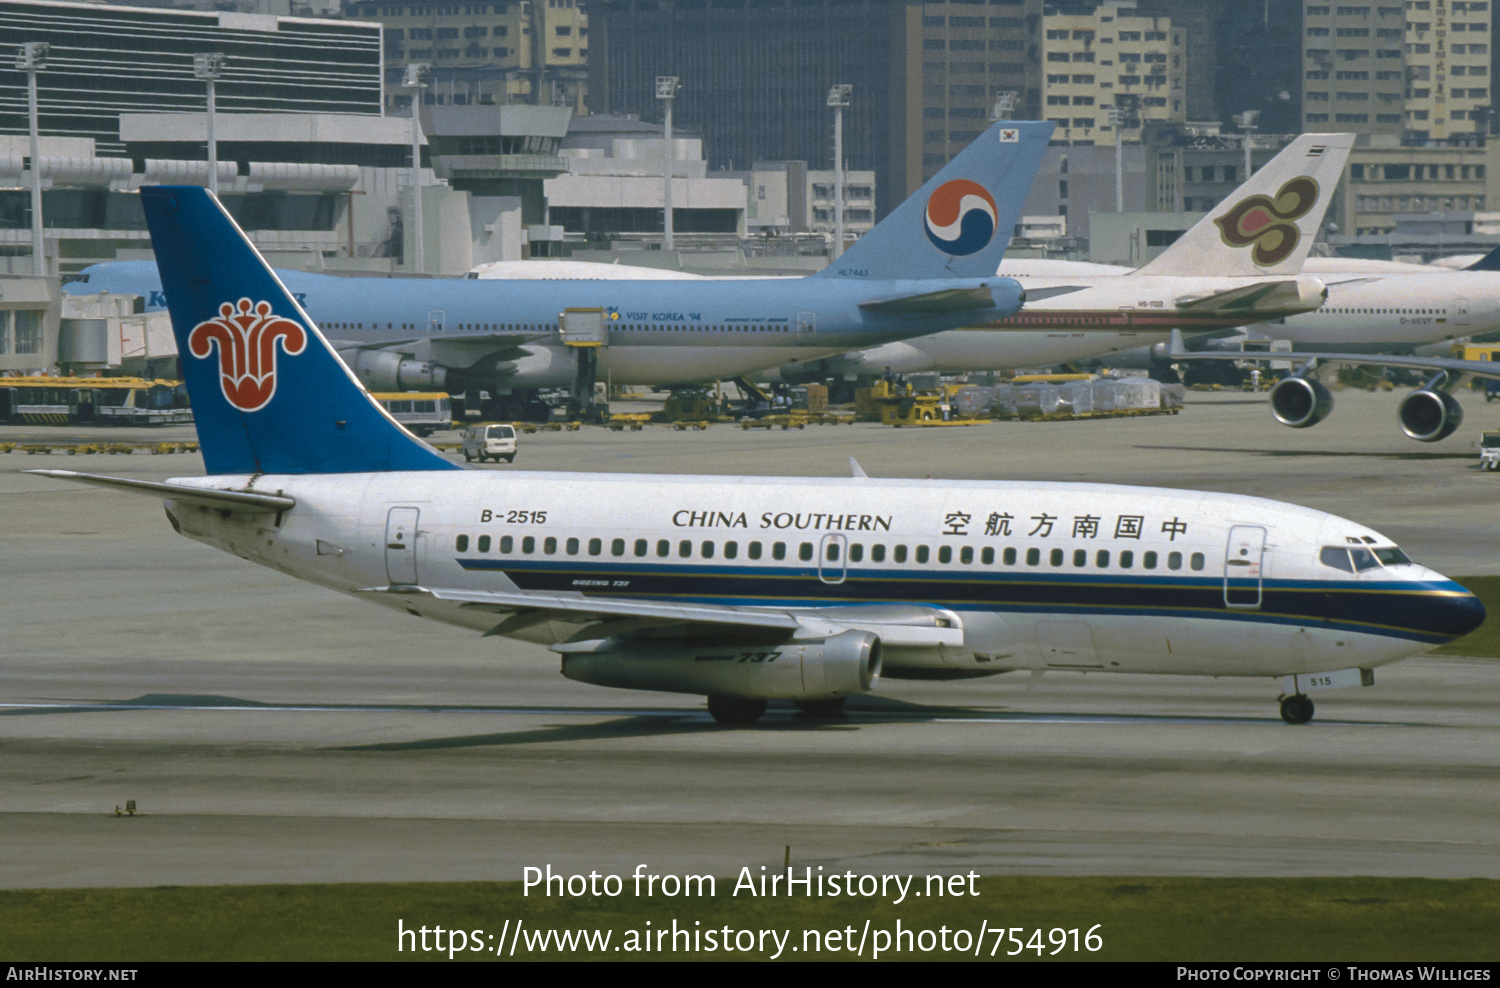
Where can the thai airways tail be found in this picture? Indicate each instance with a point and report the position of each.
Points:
(958, 224)
(269, 395)
(1267, 225)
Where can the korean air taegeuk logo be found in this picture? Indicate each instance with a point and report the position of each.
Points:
(961, 217)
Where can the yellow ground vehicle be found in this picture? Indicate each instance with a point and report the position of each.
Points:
(94, 400)
(423, 412)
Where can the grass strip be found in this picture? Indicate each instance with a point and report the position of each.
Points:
(1164, 919)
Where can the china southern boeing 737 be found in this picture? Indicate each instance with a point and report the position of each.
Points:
(746, 589)
(928, 266)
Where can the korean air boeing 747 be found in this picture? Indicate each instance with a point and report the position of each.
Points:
(747, 589)
(928, 266)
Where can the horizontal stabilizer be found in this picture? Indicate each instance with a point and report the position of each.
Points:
(928, 303)
(1489, 262)
(1262, 296)
(224, 500)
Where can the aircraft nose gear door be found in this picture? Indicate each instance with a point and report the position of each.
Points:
(1244, 559)
(401, 546)
(833, 567)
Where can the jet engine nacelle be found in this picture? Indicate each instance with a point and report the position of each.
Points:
(1429, 416)
(837, 666)
(386, 370)
(1300, 402)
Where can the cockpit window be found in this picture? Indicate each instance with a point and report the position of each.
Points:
(1357, 559)
(1337, 557)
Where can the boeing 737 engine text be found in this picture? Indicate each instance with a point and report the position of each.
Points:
(746, 589)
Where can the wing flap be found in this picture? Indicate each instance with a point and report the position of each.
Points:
(231, 500)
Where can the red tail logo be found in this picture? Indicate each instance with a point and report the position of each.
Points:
(1265, 222)
(246, 336)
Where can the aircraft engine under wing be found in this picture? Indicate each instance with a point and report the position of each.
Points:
(1285, 296)
(425, 364)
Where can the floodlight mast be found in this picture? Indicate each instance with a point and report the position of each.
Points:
(838, 98)
(31, 57)
(1246, 121)
(416, 80)
(209, 67)
(666, 90)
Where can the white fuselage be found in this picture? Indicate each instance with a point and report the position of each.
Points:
(1394, 313)
(1036, 575)
(1109, 313)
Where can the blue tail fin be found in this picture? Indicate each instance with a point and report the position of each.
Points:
(1489, 262)
(269, 395)
(959, 223)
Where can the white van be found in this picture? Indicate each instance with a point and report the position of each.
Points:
(490, 441)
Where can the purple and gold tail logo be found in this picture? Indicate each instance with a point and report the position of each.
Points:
(1267, 222)
(961, 217)
(247, 336)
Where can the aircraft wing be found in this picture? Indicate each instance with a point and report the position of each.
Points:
(1276, 296)
(600, 617)
(1449, 365)
(253, 502)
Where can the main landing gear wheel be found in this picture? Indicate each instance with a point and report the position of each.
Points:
(735, 709)
(1296, 709)
(832, 707)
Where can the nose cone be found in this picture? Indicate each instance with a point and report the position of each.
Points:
(1456, 611)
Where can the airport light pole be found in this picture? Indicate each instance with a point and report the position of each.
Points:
(416, 81)
(1246, 121)
(209, 66)
(666, 90)
(838, 98)
(1117, 121)
(1005, 104)
(31, 57)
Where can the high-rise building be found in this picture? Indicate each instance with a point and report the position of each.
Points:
(512, 51)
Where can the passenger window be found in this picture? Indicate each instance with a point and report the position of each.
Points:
(572, 547)
(1033, 557)
(528, 545)
(1080, 557)
(831, 552)
(549, 546)
(1057, 557)
(707, 550)
(1337, 557)
(877, 553)
(663, 548)
(731, 550)
(642, 547)
(923, 553)
(966, 554)
(987, 555)
(778, 550)
(899, 554)
(945, 554)
(461, 544)
(1196, 561)
(507, 544)
(484, 543)
(1127, 559)
(685, 548)
(805, 552)
(754, 550)
(1174, 560)
(1101, 559)
(856, 552)
(596, 546)
(1010, 557)
(1148, 560)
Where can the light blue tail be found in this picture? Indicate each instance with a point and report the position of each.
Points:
(269, 395)
(958, 224)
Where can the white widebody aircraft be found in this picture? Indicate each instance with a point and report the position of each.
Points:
(748, 589)
(1242, 263)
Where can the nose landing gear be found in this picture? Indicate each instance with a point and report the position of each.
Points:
(1296, 709)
